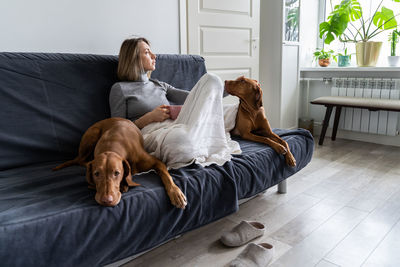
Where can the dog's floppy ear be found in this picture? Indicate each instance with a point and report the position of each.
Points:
(127, 174)
(89, 177)
(258, 97)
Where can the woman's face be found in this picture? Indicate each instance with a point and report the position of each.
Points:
(147, 57)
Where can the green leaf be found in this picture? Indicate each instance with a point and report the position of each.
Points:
(329, 38)
(322, 54)
(324, 27)
(352, 9)
(337, 21)
(385, 19)
(338, 26)
(334, 27)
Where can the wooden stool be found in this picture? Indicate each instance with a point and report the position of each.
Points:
(372, 104)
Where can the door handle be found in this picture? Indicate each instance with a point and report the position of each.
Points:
(254, 40)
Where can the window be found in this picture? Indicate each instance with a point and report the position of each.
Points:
(292, 20)
(368, 8)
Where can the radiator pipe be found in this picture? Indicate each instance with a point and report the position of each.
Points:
(326, 80)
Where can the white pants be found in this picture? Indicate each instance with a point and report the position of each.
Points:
(201, 131)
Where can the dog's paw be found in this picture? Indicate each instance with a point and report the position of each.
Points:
(177, 197)
(281, 149)
(290, 160)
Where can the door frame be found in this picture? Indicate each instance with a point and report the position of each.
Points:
(183, 41)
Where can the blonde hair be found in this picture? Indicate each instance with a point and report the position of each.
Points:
(130, 65)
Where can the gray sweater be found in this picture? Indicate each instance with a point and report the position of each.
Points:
(132, 100)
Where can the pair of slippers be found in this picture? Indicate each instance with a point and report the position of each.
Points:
(254, 254)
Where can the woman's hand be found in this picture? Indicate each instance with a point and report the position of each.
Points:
(158, 114)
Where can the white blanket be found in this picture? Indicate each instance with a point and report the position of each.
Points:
(201, 131)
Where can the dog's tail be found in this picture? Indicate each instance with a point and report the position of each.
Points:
(75, 161)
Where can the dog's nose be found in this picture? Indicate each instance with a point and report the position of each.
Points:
(107, 199)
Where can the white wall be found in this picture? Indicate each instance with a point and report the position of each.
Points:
(87, 26)
(270, 58)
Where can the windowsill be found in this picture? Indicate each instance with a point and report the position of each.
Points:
(317, 69)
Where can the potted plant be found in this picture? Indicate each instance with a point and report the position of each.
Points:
(394, 38)
(347, 23)
(324, 57)
(344, 59)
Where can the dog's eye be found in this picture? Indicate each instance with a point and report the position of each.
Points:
(116, 173)
(96, 174)
(242, 81)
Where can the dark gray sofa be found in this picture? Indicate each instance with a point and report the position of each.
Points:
(51, 218)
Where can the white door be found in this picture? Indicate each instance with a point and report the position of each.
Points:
(226, 34)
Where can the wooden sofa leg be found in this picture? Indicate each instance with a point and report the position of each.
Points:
(336, 122)
(282, 187)
(325, 124)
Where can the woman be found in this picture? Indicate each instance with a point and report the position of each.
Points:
(198, 134)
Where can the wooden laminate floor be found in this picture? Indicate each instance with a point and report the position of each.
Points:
(343, 209)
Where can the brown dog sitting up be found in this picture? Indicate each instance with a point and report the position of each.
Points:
(116, 146)
(251, 122)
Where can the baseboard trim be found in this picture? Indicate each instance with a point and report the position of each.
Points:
(358, 136)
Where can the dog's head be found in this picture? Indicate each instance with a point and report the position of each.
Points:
(110, 175)
(247, 90)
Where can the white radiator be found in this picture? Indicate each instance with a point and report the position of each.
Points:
(363, 120)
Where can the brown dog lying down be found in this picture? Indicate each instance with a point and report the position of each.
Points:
(117, 147)
(251, 123)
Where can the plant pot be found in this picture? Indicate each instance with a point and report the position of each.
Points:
(393, 61)
(324, 62)
(367, 53)
(343, 61)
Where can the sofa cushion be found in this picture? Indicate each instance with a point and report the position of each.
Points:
(260, 167)
(49, 100)
(187, 70)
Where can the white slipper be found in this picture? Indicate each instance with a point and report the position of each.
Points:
(242, 233)
(254, 255)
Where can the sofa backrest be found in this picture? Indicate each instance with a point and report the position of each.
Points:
(47, 101)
